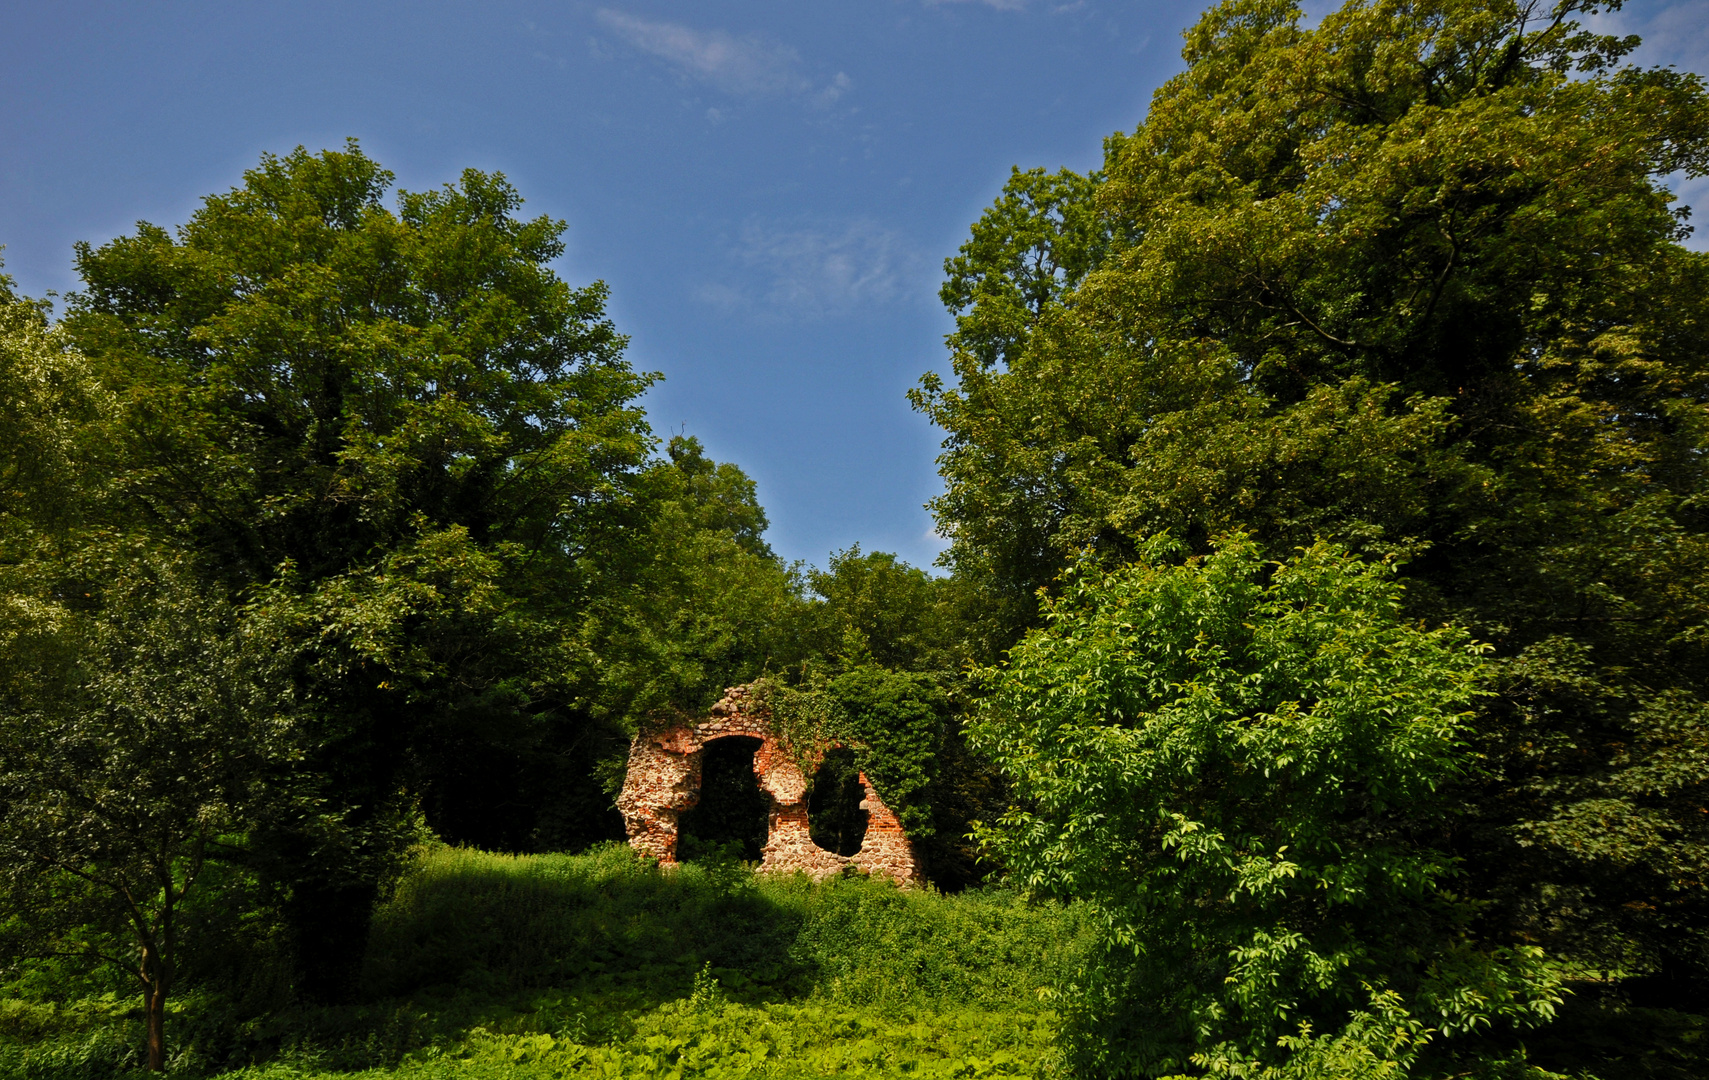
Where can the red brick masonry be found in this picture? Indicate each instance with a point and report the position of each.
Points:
(664, 780)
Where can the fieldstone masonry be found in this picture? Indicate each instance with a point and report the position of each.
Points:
(663, 780)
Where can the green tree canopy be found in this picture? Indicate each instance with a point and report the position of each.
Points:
(137, 744)
(339, 373)
(1409, 281)
(703, 605)
(873, 608)
(408, 447)
(50, 405)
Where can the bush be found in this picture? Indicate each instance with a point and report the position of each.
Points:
(1239, 765)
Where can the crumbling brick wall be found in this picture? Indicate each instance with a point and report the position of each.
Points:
(663, 780)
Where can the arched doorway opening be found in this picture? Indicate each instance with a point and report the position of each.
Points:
(835, 819)
(731, 816)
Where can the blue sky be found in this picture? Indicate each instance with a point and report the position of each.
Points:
(770, 189)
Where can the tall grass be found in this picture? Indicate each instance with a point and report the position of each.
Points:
(609, 921)
(604, 964)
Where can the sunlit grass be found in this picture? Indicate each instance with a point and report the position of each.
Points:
(604, 965)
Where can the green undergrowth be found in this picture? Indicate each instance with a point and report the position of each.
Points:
(778, 1040)
(609, 922)
(605, 965)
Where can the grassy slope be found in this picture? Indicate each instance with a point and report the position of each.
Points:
(600, 965)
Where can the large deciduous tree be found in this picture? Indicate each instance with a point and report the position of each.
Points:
(406, 444)
(1409, 281)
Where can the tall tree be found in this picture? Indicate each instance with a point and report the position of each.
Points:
(404, 440)
(1409, 281)
(873, 608)
(706, 604)
(696, 602)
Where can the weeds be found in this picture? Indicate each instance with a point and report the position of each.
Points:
(605, 965)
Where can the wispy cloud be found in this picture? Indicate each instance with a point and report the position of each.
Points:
(748, 66)
(812, 270)
(833, 90)
(1000, 5)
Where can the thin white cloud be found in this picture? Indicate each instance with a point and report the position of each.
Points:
(812, 270)
(1000, 5)
(748, 66)
(835, 89)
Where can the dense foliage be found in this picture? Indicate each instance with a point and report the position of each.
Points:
(137, 750)
(603, 965)
(396, 435)
(347, 514)
(1323, 654)
(1242, 767)
(1410, 282)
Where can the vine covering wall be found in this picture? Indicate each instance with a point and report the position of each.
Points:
(894, 721)
(663, 780)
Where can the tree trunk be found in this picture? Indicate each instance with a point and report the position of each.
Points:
(154, 978)
(156, 997)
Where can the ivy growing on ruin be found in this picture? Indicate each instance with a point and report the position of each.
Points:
(893, 721)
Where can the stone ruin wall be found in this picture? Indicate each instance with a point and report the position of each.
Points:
(663, 780)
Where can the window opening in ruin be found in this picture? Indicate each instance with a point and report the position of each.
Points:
(834, 817)
(731, 817)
